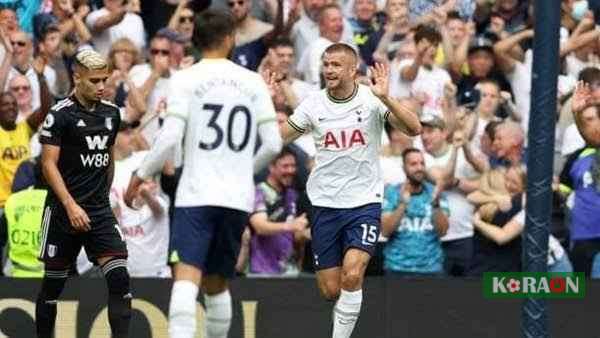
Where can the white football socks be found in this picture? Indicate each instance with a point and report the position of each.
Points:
(218, 314)
(182, 309)
(345, 313)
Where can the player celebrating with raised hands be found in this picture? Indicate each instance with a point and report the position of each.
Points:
(346, 185)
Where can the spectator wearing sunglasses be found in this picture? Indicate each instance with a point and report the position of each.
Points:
(112, 22)
(18, 61)
(20, 88)
(152, 80)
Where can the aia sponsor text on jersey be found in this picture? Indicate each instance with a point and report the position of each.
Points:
(341, 139)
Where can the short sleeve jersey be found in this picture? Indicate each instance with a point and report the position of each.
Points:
(85, 139)
(222, 104)
(347, 136)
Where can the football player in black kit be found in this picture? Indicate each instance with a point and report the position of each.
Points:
(77, 140)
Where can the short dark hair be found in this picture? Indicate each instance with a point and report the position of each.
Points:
(454, 15)
(409, 151)
(286, 109)
(427, 32)
(282, 42)
(7, 93)
(490, 129)
(590, 75)
(211, 28)
(285, 151)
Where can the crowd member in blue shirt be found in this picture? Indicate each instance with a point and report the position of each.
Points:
(414, 218)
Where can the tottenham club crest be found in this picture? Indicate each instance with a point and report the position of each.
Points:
(51, 250)
(108, 123)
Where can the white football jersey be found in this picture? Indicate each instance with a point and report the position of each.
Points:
(347, 135)
(222, 104)
(147, 237)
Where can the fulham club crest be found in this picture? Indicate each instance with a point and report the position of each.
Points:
(108, 123)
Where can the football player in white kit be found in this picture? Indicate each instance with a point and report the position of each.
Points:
(219, 107)
(345, 187)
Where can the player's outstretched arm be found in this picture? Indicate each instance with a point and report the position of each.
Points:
(170, 134)
(289, 133)
(402, 116)
(270, 147)
(77, 216)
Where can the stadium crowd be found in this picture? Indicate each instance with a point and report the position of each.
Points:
(454, 196)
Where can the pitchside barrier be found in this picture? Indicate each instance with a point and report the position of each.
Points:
(292, 308)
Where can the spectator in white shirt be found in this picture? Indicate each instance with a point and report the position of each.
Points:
(280, 60)
(306, 30)
(146, 228)
(152, 80)
(112, 22)
(426, 80)
(331, 27)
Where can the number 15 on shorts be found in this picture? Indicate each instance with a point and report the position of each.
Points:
(369, 235)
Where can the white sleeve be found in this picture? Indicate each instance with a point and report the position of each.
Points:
(91, 19)
(300, 119)
(139, 35)
(376, 106)
(178, 97)
(169, 135)
(270, 147)
(520, 217)
(136, 75)
(113, 198)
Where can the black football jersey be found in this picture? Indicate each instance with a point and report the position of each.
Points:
(85, 139)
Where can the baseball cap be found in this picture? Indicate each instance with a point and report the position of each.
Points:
(433, 121)
(481, 43)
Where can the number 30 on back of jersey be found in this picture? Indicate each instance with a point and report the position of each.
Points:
(232, 132)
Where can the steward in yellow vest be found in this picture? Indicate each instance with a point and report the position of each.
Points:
(21, 224)
(23, 212)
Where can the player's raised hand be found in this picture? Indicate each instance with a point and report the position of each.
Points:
(132, 189)
(379, 80)
(270, 78)
(78, 217)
